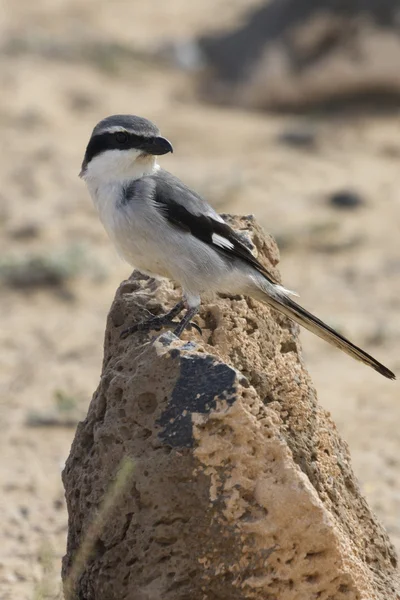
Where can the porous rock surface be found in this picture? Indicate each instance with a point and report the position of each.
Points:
(241, 486)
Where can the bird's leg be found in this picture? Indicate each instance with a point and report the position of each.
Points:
(156, 323)
(187, 320)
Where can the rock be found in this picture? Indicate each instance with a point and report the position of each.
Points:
(345, 200)
(297, 54)
(205, 468)
(301, 137)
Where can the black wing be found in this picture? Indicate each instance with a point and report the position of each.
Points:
(202, 225)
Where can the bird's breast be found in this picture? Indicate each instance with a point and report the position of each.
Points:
(132, 229)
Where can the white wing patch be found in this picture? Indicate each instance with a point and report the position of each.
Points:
(222, 242)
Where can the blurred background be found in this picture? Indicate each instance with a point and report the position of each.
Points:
(288, 109)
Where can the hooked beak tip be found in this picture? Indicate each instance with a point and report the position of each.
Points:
(160, 145)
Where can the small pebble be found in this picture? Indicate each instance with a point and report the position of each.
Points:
(302, 137)
(346, 200)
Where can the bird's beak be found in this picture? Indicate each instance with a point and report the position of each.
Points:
(157, 145)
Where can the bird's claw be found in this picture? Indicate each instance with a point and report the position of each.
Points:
(167, 320)
(194, 325)
(153, 324)
(156, 324)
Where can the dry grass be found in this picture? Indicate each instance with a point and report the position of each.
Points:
(84, 553)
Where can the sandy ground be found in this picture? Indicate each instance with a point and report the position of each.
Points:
(344, 264)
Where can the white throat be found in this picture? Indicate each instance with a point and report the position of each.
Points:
(115, 166)
(108, 174)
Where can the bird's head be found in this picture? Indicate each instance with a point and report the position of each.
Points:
(123, 146)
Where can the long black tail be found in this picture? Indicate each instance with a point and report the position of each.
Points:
(282, 303)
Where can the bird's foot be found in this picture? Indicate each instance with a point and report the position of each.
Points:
(164, 321)
(187, 321)
(153, 324)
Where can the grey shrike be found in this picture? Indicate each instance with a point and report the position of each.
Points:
(163, 228)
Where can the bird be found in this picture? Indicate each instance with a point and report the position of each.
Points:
(165, 229)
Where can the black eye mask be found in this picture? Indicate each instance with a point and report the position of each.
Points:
(123, 140)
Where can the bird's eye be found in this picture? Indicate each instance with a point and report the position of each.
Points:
(121, 137)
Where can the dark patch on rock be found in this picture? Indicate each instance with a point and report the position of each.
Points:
(202, 382)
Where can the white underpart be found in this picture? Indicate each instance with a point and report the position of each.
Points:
(219, 240)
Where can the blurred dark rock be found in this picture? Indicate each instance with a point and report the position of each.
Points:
(346, 200)
(27, 231)
(300, 53)
(301, 137)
